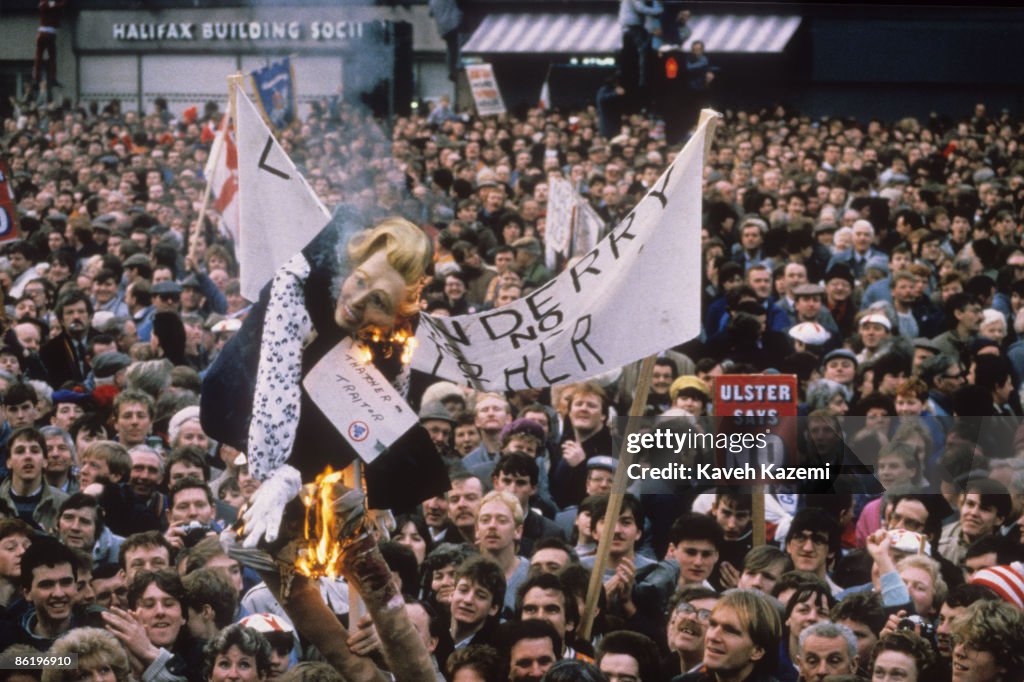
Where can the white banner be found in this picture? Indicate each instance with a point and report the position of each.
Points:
(280, 214)
(365, 408)
(485, 90)
(629, 297)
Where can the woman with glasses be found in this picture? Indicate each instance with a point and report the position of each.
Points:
(689, 611)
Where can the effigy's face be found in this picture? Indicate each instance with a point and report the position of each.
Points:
(371, 296)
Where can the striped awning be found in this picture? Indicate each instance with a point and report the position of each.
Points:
(738, 33)
(563, 33)
(520, 33)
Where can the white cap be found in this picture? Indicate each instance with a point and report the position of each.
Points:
(810, 333)
(267, 622)
(877, 318)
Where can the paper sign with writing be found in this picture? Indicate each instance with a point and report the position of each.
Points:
(485, 90)
(630, 296)
(367, 411)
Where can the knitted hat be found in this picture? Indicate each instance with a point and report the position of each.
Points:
(1006, 581)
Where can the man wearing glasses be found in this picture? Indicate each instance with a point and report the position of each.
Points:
(944, 375)
(812, 542)
(689, 611)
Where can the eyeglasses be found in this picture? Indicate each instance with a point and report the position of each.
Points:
(817, 539)
(954, 377)
(687, 609)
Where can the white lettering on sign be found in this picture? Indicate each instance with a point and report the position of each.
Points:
(239, 30)
(755, 393)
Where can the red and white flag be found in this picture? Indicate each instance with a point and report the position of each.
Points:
(222, 174)
(545, 96)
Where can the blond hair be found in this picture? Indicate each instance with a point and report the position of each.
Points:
(931, 567)
(407, 249)
(507, 499)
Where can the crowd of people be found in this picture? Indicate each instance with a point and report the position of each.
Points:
(879, 262)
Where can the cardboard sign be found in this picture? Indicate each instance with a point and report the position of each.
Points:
(367, 411)
(760, 403)
(8, 213)
(485, 90)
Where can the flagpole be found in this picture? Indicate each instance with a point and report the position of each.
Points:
(636, 410)
(611, 516)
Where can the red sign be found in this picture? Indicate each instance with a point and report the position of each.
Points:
(760, 403)
(8, 214)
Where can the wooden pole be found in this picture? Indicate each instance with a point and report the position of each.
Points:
(757, 514)
(233, 82)
(356, 608)
(636, 410)
(611, 516)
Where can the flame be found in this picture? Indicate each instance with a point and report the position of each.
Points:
(323, 553)
(400, 337)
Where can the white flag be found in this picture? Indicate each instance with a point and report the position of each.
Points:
(629, 297)
(280, 214)
(545, 96)
(222, 174)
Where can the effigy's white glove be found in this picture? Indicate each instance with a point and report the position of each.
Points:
(262, 518)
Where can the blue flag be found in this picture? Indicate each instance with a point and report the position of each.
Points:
(275, 90)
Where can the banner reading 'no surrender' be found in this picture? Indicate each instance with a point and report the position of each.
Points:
(636, 293)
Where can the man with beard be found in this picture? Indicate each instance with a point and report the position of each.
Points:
(66, 355)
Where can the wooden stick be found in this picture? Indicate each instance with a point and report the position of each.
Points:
(636, 410)
(356, 608)
(757, 514)
(611, 516)
(214, 158)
